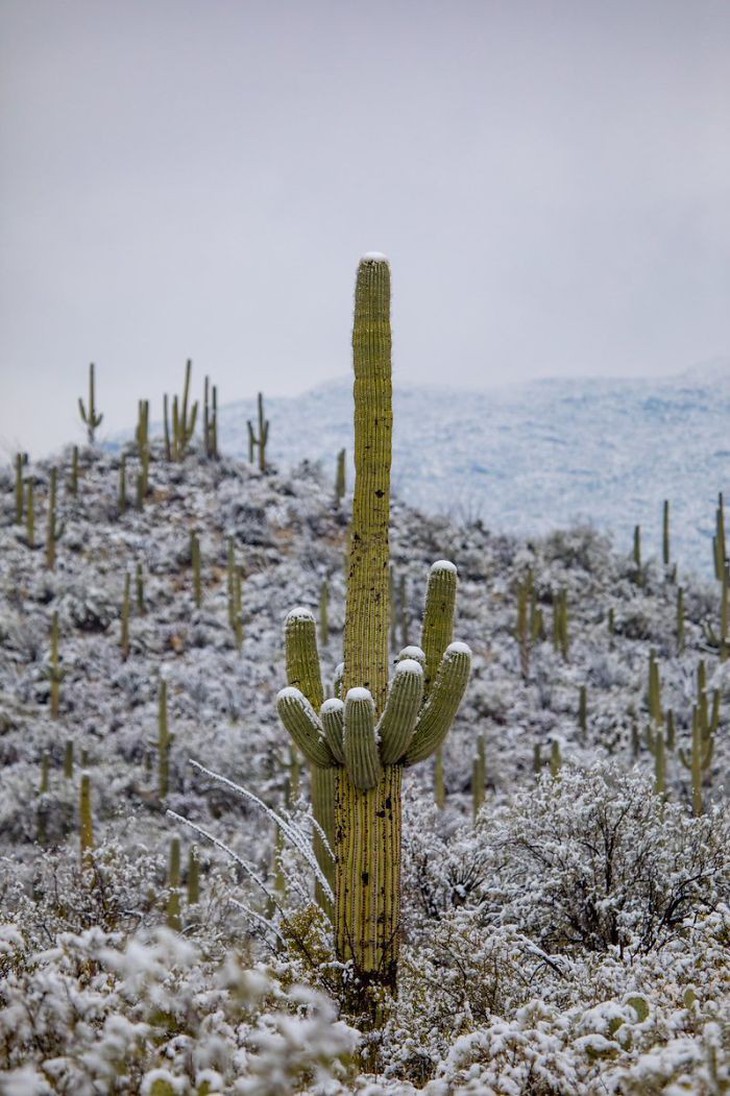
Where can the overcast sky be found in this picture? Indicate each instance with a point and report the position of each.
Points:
(198, 178)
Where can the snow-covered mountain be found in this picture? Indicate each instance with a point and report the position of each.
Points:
(534, 457)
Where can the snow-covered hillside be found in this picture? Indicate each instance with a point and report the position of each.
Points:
(531, 458)
(574, 939)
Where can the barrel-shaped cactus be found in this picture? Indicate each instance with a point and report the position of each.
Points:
(361, 740)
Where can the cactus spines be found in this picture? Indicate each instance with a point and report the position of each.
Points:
(258, 441)
(54, 528)
(89, 414)
(381, 731)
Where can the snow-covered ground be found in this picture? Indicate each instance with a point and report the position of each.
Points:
(575, 939)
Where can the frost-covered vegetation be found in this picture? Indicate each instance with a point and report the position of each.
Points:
(572, 937)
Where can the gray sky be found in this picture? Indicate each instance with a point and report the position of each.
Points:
(197, 178)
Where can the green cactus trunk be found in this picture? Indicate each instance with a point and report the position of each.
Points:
(361, 740)
(368, 822)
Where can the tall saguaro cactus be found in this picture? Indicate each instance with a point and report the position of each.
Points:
(364, 738)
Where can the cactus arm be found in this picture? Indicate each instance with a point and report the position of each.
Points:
(438, 617)
(302, 658)
(303, 724)
(332, 715)
(441, 707)
(359, 740)
(398, 721)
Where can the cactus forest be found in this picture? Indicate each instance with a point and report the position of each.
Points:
(307, 791)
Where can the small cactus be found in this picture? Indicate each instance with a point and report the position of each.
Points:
(174, 917)
(124, 642)
(54, 670)
(177, 440)
(258, 441)
(54, 528)
(340, 484)
(210, 420)
(86, 825)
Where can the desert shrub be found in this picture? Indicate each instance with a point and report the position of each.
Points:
(595, 860)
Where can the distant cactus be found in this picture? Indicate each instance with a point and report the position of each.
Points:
(235, 597)
(122, 489)
(124, 642)
(89, 414)
(21, 461)
(561, 635)
(210, 420)
(143, 451)
(86, 825)
(583, 711)
(139, 591)
(73, 483)
(54, 528)
(698, 759)
(193, 895)
(178, 439)
(196, 565)
(54, 669)
(68, 760)
(174, 917)
(340, 485)
(258, 441)
(164, 742)
(665, 533)
(367, 738)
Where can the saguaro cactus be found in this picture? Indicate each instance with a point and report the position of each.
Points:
(366, 737)
(89, 415)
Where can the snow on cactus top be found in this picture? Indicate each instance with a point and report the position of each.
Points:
(374, 257)
(443, 565)
(408, 666)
